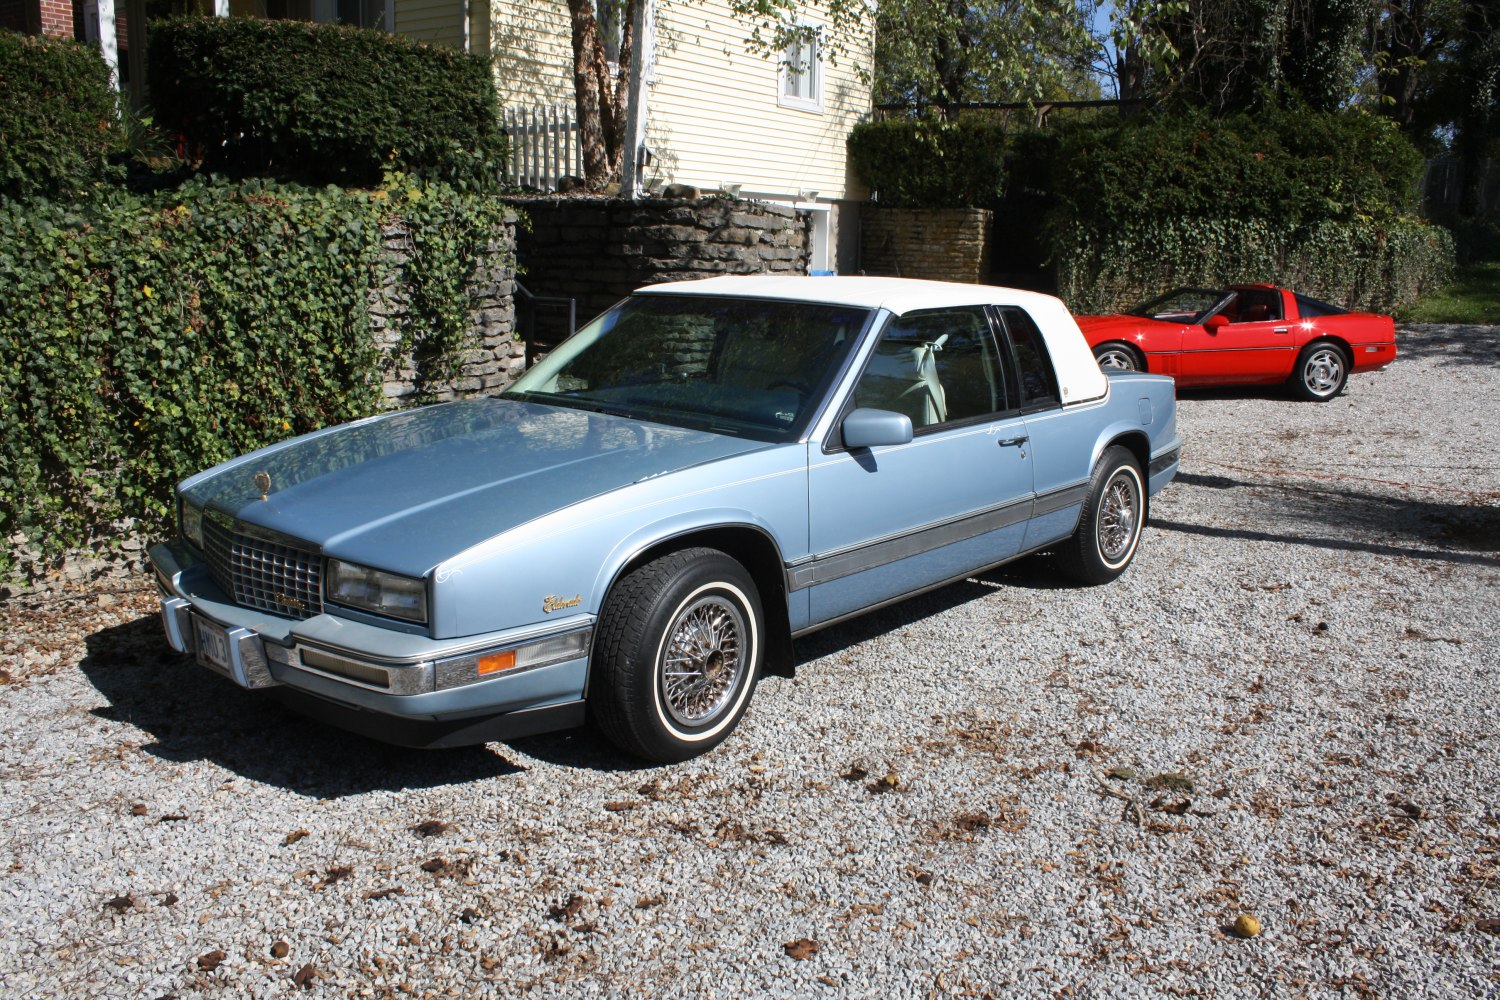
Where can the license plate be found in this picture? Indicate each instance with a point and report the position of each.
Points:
(213, 645)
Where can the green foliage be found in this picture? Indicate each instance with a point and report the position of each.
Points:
(58, 122)
(324, 103)
(145, 338)
(931, 164)
(1366, 264)
(1316, 202)
(1290, 167)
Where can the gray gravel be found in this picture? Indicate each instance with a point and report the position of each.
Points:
(1286, 708)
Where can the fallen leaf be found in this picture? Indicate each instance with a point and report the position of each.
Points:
(801, 949)
(304, 976)
(1175, 781)
(173, 818)
(293, 837)
(469, 915)
(434, 865)
(170, 899)
(571, 908)
(887, 783)
(335, 874)
(139, 809)
(1489, 925)
(1120, 773)
(646, 902)
(121, 903)
(855, 773)
(394, 890)
(209, 961)
(616, 807)
(431, 828)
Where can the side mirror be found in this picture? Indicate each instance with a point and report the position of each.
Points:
(867, 428)
(1216, 323)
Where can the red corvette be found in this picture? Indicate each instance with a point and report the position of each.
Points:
(1244, 335)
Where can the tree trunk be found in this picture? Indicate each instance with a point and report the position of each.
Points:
(599, 95)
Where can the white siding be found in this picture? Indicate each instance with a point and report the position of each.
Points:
(715, 116)
(440, 21)
(532, 46)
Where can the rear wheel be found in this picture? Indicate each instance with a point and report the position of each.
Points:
(1322, 369)
(1118, 356)
(1109, 529)
(677, 655)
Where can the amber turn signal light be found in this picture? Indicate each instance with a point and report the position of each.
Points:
(496, 662)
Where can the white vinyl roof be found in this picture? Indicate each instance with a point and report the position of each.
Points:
(1078, 373)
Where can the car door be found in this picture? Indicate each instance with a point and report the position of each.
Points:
(890, 520)
(1254, 345)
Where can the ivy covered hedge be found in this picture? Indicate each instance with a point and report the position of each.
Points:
(58, 117)
(1126, 207)
(146, 338)
(324, 103)
(1366, 264)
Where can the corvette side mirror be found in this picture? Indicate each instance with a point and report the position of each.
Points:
(1215, 323)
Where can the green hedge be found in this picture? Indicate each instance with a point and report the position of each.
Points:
(1293, 168)
(144, 339)
(930, 164)
(1364, 264)
(324, 103)
(58, 117)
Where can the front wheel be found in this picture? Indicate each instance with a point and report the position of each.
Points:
(677, 655)
(1116, 356)
(1109, 529)
(1322, 369)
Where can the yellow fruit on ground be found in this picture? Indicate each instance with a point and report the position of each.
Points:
(1246, 925)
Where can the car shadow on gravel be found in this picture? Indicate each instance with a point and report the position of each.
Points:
(1353, 520)
(188, 714)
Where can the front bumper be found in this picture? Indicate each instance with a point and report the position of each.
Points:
(391, 685)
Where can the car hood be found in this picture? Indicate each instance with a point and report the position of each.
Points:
(1100, 328)
(407, 490)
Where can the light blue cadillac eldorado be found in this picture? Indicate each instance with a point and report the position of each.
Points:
(651, 514)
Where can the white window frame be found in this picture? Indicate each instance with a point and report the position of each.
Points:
(786, 77)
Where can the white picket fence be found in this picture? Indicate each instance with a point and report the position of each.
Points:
(543, 146)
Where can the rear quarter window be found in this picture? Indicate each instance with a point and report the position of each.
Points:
(1312, 308)
(1037, 382)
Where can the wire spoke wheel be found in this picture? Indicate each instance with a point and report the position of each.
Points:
(1119, 517)
(701, 665)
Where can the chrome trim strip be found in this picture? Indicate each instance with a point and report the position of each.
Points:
(577, 623)
(1061, 499)
(870, 555)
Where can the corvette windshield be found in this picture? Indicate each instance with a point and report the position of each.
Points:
(1183, 305)
(747, 367)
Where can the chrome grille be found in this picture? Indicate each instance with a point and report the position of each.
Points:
(262, 573)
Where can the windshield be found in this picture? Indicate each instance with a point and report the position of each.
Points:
(1183, 305)
(752, 368)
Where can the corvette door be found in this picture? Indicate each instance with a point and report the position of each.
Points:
(887, 521)
(1256, 344)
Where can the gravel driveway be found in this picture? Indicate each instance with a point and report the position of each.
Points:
(1287, 707)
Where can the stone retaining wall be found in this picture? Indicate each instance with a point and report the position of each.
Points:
(596, 250)
(495, 359)
(947, 244)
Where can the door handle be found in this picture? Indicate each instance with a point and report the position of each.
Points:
(1280, 329)
(1013, 442)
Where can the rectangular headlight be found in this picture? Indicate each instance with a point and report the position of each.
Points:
(376, 591)
(191, 524)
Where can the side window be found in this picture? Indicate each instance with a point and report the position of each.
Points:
(1254, 305)
(1036, 381)
(937, 367)
(802, 74)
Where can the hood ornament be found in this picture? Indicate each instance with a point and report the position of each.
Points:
(262, 482)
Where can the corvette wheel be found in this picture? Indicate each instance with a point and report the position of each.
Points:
(1322, 369)
(1109, 529)
(677, 655)
(1118, 356)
